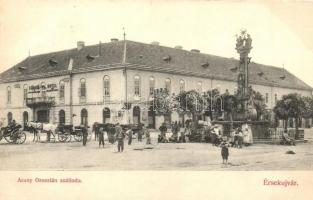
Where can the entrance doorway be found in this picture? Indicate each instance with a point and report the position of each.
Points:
(43, 116)
(25, 118)
(136, 115)
(10, 118)
(106, 115)
(168, 119)
(84, 117)
(151, 117)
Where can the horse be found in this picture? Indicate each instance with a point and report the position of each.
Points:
(43, 128)
(33, 128)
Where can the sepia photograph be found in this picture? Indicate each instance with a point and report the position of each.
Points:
(158, 86)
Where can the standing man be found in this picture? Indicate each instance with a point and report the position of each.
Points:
(85, 134)
(140, 132)
(101, 136)
(129, 134)
(240, 138)
(147, 134)
(120, 138)
(163, 129)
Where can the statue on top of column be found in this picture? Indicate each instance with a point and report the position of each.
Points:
(243, 42)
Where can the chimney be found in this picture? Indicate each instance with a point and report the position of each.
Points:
(114, 40)
(155, 43)
(80, 45)
(195, 50)
(178, 47)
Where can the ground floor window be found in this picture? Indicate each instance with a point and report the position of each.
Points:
(62, 117)
(106, 115)
(136, 115)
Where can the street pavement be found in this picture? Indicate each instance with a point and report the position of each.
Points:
(139, 156)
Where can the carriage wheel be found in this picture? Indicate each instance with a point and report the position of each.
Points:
(78, 138)
(1, 135)
(69, 138)
(21, 137)
(62, 137)
(8, 138)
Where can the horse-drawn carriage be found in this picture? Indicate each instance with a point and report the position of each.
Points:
(13, 135)
(67, 132)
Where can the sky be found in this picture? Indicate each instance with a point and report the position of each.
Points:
(282, 32)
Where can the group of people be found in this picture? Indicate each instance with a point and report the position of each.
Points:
(121, 133)
(241, 136)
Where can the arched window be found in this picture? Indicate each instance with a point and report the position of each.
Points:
(84, 116)
(151, 85)
(25, 91)
(199, 86)
(62, 117)
(106, 115)
(181, 85)
(106, 86)
(168, 85)
(8, 94)
(10, 117)
(62, 90)
(137, 85)
(82, 91)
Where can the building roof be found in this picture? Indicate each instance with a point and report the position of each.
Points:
(148, 57)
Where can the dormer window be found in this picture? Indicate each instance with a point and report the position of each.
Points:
(282, 77)
(21, 68)
(260, 73)
(90, 58)
(205, 65)
(53, 62)
(167, 59)
(234, 69)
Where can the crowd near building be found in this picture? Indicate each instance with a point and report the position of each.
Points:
(90, 84)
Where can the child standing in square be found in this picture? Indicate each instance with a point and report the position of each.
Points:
(224, 152)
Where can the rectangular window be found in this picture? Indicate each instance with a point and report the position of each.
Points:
(83, 90)
(25, 95)
(151, 90)
(275, 98)
(266, 98)
(106, 89)
(137, 85)
(9, 97)
(61, 91)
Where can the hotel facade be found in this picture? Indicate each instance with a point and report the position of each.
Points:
(90, 84)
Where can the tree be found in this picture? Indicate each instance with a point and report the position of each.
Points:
(290, 106)
(190, 102)
(230, 106)
(308, 111)
(213, 103)
(162, 102)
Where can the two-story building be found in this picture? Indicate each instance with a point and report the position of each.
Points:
(91, 84)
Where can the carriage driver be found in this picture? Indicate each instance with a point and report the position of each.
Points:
(13, 127)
